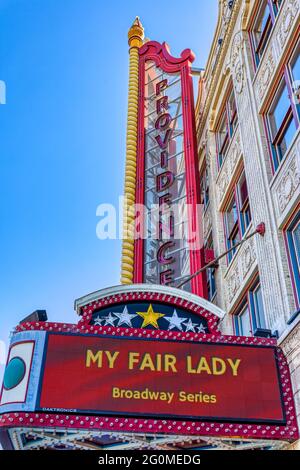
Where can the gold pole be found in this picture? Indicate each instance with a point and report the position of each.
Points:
(135, 40)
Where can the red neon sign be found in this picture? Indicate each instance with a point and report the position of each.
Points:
(167, 171)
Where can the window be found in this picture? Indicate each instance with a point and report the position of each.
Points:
(243, 323)
(250, 316)
(281, 123)
(283, 114)
(276, 6)
(242, 193)
(261, 30)
(232, 113)
(237, 217)
(232, 227)
(222, 139)
(204, 188)
(257, 308)
(293, 246)
(210, 272)
(262, 27)
(227, 125)
(294, 69)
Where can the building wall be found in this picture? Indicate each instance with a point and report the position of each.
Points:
(274, 195)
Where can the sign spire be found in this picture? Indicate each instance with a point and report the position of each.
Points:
(135, 41)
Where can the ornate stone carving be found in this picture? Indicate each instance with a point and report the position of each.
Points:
(229, 167)
(288, 181)
(241, 267)
(237, 65)
(223, 185)
(233, 284)
(207, 223)
(247, 258)
(291, 343)
(265, 74)
(287, 19)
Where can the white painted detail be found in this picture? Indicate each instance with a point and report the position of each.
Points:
(24, 351)
(123, 289)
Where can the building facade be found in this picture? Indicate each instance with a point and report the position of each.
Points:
(248, 119)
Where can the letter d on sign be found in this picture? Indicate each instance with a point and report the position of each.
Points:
(164, 181)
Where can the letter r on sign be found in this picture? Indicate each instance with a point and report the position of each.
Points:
(160, 86)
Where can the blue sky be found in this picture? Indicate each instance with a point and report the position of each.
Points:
(62, 134)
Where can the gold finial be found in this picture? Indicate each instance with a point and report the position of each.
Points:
(136, 34)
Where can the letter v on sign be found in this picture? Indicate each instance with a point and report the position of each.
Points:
(164, 143)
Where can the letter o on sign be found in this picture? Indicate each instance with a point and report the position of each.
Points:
(163, 122)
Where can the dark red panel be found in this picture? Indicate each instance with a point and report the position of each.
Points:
(248, 391)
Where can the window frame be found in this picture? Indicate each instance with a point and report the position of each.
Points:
(204, 187)
(248, 302)
(222, 147)
(231, 124)
(289, 70)
(231, 235)
(239, 228)
(276, 4)
(258, 322)
(237, 320)
(293, 257)
(244, 207)
(259, 48)
(292, 113)
(210, 272)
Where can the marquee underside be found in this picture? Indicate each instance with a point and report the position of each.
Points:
(66, 439)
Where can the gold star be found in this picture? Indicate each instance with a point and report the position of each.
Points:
(150, 317)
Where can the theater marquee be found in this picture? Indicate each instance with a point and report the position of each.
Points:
(144, 359)
(166, 379)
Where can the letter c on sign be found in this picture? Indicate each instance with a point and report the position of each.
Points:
(161, 254)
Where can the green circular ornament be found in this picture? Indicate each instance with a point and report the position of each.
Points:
(14, 373)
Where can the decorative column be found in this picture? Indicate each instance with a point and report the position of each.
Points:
(135, 40)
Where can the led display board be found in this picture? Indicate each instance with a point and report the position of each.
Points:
(123, 376)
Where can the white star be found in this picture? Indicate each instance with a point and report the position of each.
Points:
(125, 317)
(109, 320)
(190, 326)
(201, 329)
(98, 320)
(175, 321)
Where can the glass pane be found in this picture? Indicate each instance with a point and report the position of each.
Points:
(235, 238)
(295, 66)
(261, 22)
(243, 190)
(222, 132)
(204, 188)
(231, 217)
(279, 110)
(259, 308)
(232, 106)
(287, 137)
(296, 240)
(277, 4)
(211, 284)
(245, 324)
